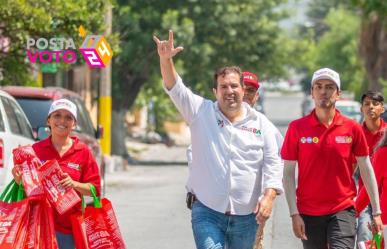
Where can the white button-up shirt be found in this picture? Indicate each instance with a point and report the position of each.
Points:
(232, 163)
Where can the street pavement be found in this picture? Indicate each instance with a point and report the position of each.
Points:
(149, 198)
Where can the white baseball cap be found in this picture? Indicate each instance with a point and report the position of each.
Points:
(63, 104)
(327, 74)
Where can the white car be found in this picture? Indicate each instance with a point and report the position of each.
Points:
(350, 108)
(15, 130)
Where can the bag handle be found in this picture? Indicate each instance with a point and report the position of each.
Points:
(96, 200)
(8, 189)
(378, 240)
(13, 192)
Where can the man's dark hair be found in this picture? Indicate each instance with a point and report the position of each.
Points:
(226, 70)
(376, 96)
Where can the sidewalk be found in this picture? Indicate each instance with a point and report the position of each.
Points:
(143, 154)
(157, 153)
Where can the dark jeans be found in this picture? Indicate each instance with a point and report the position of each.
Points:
(65, 241)
(337, 230)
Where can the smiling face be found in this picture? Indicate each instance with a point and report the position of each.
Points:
(325, 94)
(372, 109)
(61, 123)
(229, 93)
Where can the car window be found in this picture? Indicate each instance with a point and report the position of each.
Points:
(352, 111)
(36, 110)
(84, 123)
(17, 121)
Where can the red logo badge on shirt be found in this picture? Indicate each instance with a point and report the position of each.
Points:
(74, 166)
(343, 139)
(256, 131)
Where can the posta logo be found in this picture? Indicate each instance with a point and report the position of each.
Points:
(95, 50)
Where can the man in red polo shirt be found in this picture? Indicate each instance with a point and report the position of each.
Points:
(372, 107)
(322, 144)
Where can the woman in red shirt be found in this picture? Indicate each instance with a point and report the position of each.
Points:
(379, 163)
(75, 159)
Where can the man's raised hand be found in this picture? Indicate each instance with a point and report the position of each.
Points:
(166, 49)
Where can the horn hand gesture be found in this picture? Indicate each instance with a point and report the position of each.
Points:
(166, 49)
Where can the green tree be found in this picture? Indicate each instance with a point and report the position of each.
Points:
(373, 40)
(338, 48)
(332, 40)
(21, 19)
(316, 13)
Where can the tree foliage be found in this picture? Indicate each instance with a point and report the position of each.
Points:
(373, 40)
(332, 40)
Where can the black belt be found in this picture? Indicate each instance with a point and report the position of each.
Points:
(191, 198)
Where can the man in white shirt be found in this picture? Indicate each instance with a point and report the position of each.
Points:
(231, 143)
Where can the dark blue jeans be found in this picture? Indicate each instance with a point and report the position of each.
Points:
(65, 241)
(215, 230)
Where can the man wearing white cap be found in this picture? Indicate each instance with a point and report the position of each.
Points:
(323, 144)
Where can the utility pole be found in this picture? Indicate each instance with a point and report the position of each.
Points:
(105, 96)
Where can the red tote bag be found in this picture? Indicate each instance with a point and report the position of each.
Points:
(34, 225)
(62, 199)
(13, 224)
(25, 157)
(97, 226)
(47, 236)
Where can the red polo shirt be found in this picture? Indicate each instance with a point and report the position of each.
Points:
(79, 163)
(379, 163)
(324, 156)
(372, 140)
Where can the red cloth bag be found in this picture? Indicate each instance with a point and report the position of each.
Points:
(25, 157)
(25, 223)
(47, 236)
(62, 199)
(33, 227)
(97, 227)
(13, 224)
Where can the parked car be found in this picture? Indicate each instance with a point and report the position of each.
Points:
(350, 108)
(15, 130)
(36, 102)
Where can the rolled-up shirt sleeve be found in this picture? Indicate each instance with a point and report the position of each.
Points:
(272, 163)
(186, 102)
